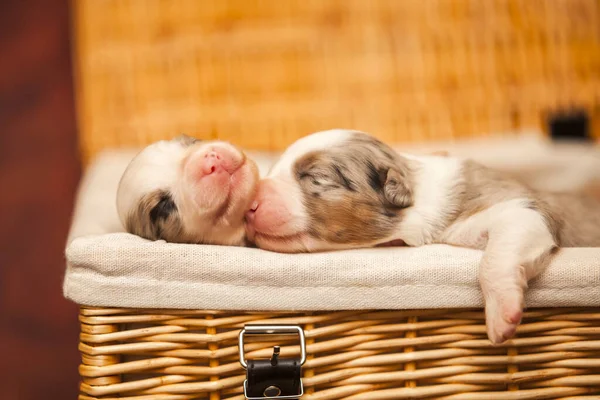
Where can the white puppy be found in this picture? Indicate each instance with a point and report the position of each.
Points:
(345, 189)
(188, 191)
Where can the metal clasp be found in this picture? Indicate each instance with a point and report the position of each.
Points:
(272, 330)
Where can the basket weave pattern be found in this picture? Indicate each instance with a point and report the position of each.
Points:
(264, 73)
(441, 354)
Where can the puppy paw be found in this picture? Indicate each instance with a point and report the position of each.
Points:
(502, 318)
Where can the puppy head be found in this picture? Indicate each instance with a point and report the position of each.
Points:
(331, 190)
(188, 191)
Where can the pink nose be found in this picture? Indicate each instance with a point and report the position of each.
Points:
(211, 163)
(251, 213)
(250, 221)
(269, 213)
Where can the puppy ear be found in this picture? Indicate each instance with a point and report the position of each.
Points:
(397, 189)
(185, 139)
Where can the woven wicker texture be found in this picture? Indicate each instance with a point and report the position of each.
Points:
(263, 73)
(441, 354)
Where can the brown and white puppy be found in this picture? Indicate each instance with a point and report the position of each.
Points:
(188, 191)
(344, 189)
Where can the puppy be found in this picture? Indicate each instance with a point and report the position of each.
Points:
(188, 191)
(344, 189)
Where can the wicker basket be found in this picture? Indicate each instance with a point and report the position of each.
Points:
(262, 74)
(438, 354)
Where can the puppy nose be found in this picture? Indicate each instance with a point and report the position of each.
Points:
(251, 213)
(212, 154)
(212, 162)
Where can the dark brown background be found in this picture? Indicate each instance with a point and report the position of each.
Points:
(39, 171)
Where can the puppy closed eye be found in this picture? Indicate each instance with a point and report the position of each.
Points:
(156, 217)
(343, 179)
(317, 179)
(164, 208)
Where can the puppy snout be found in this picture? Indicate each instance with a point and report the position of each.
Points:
(212, 154)
(214, 160)
(251, 213)
(269, 214)
(211, 163)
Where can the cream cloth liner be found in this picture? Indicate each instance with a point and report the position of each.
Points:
(107, 267)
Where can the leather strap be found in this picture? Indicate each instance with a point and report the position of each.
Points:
(283, 375)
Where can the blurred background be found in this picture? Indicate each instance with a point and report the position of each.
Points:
(39, 171)
(80, 77)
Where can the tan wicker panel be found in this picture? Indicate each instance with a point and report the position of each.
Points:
(263, 73)
(441, 354)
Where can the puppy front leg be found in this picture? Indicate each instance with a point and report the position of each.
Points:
(518, 249)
